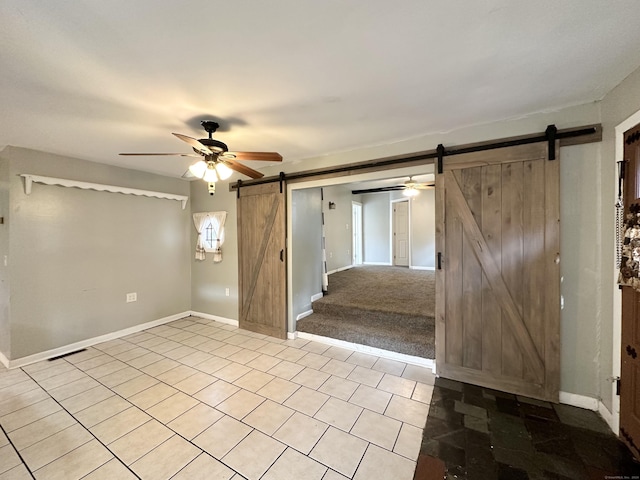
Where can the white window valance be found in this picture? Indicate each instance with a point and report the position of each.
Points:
(210, 228)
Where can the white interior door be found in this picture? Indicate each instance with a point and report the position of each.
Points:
(401, 233)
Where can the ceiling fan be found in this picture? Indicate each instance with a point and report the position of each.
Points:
(410, 188)
(217, 162)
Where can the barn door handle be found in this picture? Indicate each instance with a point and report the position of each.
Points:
(282, 255)
(439, 260)
(631, 352)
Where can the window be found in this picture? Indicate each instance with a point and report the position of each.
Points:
(210, 228)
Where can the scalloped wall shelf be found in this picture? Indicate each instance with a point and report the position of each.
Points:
(63, 182)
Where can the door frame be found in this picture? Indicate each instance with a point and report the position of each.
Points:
(381, 174)
(391, 223)
(356, 228)
(613, 417)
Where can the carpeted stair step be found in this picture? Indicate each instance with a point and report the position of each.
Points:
(417, 340)
(373, 316)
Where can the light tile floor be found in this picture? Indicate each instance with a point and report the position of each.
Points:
(200, 399)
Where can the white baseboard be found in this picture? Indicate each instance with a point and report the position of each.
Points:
(4, 360)
(379, 352)
(55, 352)
(589, 403)
(317, 296)
(606, 414)
(304, 314)
(215, 318)
(340, 269)
(414, 267)
(581, 401)
(376, 263)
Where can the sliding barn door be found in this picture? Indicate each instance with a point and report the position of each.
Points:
(261, 259)
(630, 363)
(498, 289)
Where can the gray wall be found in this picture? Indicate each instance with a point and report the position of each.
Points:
(74, 254)
(306, 244)
(582, 316)
(5, 346)
(587, 263)
(423, 229)
(618, 105)
(376, 215)
(337, 227)
(209, 280)
(376, 228)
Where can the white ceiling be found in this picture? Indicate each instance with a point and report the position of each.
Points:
(304, 78)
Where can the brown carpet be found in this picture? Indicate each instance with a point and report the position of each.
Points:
(379, 306)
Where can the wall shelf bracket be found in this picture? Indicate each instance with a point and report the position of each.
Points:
(30, 179)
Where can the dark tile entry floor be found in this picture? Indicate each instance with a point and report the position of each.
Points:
(477, 433)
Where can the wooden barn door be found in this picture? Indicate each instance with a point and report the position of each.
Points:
(630, 348)
(262, 259)
(498, 289)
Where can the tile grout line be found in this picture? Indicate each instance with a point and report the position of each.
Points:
(330, 396)
(17, 452)
(136, 345)
(82, 425)
(162, 423)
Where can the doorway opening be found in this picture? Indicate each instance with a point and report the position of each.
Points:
(372, 299)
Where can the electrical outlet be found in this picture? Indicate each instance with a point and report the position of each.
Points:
(330, 254)
(132, 297)
(226, 292)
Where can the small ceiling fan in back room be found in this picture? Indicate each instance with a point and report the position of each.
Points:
(408, 188)
(216, 161)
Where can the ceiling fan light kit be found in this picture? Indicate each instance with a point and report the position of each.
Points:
(410, 191)
(218, 163)
(210, 170)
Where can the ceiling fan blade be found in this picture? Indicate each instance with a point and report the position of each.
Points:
(194, 143)
(425, 186)
(156, 154)
(240, 168)
(260, 156)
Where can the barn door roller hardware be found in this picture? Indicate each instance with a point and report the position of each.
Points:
(551, 133)
(569, 136)
(281, 176)
(441, 152)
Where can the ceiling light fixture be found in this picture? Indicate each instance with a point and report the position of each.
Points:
(410, 191)
(211, 170)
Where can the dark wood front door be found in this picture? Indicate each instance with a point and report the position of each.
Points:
(498, 291)
(261, 259)
(630, 361)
